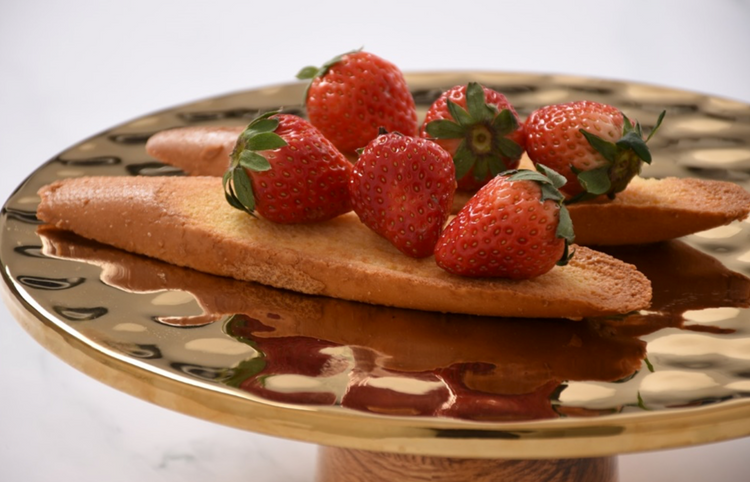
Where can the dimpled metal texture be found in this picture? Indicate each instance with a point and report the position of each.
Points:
(376, 378)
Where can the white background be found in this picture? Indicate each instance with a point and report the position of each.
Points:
(69, 69)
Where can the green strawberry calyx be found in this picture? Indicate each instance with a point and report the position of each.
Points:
(247, 369)
(550, 182)
(312, 72)
(259, 135)
(624, 160)
(483, 130)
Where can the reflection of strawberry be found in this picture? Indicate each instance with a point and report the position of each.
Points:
(286, 170)
(510, 390)
(479, 128)
(514, 227)
(402, 188)
(352, 96)
(593, 145)
(298, 355)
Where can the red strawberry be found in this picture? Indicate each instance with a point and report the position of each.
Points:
(593, 145)
(515, 227)
(402, 188)
(352, 96)
(479, 128)
(285, 169)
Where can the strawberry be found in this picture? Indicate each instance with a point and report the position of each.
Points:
(352, 96)
(285, 169)
(479, 128)
(402, 188)
(593, 145)
(516, 226)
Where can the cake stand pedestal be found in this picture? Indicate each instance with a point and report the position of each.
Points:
(347, 465)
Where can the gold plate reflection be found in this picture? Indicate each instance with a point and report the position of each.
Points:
(367, 377)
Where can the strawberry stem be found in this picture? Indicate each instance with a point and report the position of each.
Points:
(481, 139)
(311, 72)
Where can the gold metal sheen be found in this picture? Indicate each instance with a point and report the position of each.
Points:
(163, 333)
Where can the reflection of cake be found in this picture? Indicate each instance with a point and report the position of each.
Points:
(186, 221)
(685, 278)
(649, 210)
(315, 371)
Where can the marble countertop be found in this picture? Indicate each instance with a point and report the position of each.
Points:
(71, 69)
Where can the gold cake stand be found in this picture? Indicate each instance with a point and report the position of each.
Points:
(402, 395)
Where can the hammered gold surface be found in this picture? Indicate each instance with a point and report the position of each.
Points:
(366, 377)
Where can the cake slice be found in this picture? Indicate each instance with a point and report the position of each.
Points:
(648, 211)
(653, 210)
(187, 222)
(197, 150)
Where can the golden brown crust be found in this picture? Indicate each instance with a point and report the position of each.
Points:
(652, 210)
(197, 150)
(187, 222)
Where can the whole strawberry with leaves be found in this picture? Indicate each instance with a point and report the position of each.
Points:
(596, 147)
(402, 188)
(286, 170)
(479, 128)
(516, 227)
(355, 94)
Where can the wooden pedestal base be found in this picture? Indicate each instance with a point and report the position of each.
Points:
(345, 465)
